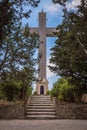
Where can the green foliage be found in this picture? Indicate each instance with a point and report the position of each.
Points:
(65, 91)
(61, 98)
(35, 93)
(17, 62)
(17, 49)
(70, 51)
(48, 92)
(29, 91)
(2, 96)
(13, 11)
(55, 90)
(13, 90)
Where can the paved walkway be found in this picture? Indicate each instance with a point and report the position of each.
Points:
(43, 124)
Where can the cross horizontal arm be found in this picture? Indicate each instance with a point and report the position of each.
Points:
(34, 30)
(50, 32)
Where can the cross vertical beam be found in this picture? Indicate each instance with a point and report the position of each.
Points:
(42, 46)
(43, 32)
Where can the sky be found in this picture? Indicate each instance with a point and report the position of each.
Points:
(54, 17)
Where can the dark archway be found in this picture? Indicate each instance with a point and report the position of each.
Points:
(41, 89)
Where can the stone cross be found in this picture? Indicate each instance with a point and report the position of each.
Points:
(43, 32)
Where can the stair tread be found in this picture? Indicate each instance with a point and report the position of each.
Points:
(45, 104)
(41, 107)
(41, 110)
(41, 113)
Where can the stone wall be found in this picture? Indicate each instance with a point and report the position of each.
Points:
(71, 110)
(63, 111)
(12, 112)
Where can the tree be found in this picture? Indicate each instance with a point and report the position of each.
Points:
(17, 62)
(17, 86)
(12, 11)
(61, 2)
(17, 48)
(69, 53)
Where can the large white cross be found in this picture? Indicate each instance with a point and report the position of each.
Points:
(43, 32)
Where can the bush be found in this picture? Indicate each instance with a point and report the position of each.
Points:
(29, 91)
(54, 92)
(60, 98)
(14, 90)
(35, 93)
(48, 92)
(2, 96)
(64, 91)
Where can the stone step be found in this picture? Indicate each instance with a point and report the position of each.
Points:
(41, 107)
(41, 100)
(41, 96)
(40, 117)
(41, 110)
(41, 104)
(40, 113)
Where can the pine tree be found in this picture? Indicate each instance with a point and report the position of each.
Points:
(12, 11)
(70, 51)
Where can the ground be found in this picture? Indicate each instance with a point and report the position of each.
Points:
(43, 124)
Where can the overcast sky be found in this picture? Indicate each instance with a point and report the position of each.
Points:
(54, 17)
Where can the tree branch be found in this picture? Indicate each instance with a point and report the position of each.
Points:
(81, 45)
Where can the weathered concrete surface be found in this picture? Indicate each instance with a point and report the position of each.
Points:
(43, 125)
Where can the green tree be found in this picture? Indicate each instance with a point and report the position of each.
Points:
(17, 48)
(69, 53)
(12, 11)
(17, 62)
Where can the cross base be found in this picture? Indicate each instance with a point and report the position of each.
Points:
(42, 86)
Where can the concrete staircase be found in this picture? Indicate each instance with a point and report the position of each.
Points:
(41, 107)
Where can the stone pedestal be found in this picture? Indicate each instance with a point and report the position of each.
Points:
(42, 86)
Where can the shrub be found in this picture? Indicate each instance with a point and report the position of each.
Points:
(35, 93)
(64, 91)
(29, 91)
(54, 92)
(60, 98)
(14, 90)
(48, 92)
